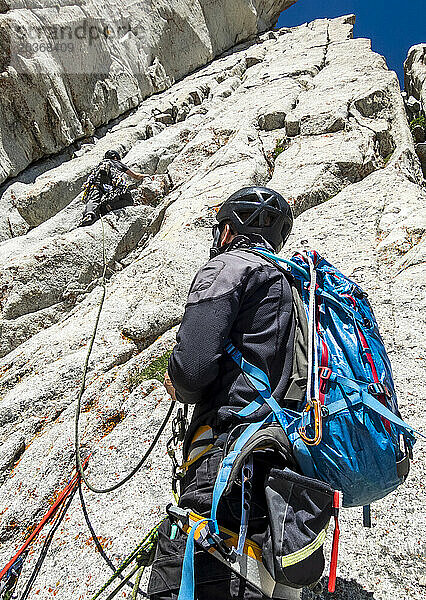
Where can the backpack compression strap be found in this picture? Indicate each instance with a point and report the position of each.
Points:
(291, 421)
(366, 398)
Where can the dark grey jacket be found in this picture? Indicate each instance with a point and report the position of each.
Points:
(240, 296)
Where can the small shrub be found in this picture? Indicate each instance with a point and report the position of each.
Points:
(154, 370)
(420, 120)
(280, 146)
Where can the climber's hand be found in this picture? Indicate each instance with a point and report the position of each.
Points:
(137, 176)
(169, 386)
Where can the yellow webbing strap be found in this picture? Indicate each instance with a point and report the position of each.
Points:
(188, 463)
(203, 433)
(295, 557)
(251, 549)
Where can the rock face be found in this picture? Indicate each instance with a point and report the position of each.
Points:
(415, 85)
(415, 72)
(309, 111)
(69, 67)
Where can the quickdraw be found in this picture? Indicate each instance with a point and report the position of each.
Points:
(312, 402)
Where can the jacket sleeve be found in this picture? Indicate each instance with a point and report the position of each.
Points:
(212, 307)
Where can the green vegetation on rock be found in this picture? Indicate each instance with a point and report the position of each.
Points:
(280, 146)
(420, 120)
(155, 370)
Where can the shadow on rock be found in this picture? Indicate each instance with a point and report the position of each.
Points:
(345, 590)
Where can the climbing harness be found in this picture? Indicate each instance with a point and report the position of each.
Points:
(248, 565)
(117, 179)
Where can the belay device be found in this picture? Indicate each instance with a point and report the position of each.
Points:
(349, 441)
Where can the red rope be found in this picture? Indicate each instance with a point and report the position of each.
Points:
(67, 489)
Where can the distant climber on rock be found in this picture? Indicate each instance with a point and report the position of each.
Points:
(106, 188)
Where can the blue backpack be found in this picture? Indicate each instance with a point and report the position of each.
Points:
(350, 433)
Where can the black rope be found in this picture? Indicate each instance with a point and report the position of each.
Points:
(79, 465)
(47, 542)
(96, 539)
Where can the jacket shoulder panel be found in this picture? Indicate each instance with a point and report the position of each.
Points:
(223, 275)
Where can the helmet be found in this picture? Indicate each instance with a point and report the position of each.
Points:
(112, 155)
(258, 210)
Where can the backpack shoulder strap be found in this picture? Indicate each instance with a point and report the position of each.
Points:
(295, 393)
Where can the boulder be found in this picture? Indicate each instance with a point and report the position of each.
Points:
(415, 74)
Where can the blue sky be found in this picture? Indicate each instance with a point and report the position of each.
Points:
(392, 25)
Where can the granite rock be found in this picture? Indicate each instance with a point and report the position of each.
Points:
(307, 110)
(69, 67)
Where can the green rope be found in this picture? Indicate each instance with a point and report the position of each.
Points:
(137, 582)
(145, 548)
(145, 558)
(122, 583)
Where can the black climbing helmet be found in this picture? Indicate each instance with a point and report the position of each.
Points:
(258, 210)
(112, 155)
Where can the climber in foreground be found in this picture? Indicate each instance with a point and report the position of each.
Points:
(106, 188)
(237, 295)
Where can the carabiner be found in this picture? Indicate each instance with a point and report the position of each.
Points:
(318, 425)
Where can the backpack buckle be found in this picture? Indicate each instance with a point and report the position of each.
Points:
(325, 373)
(378, 389)
(229, 554)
